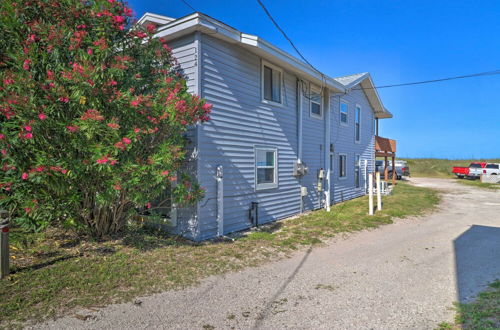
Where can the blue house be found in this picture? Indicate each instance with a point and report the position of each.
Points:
(282, 139)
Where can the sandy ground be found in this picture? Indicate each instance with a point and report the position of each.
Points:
(401, 276)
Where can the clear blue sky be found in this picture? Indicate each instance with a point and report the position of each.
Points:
(397, 42)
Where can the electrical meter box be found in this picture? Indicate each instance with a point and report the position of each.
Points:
(299, 169)
(303, 191)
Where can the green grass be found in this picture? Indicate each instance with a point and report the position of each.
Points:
(483, 313)
(55, 272)
(439, 168)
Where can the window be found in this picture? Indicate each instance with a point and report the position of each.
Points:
(266, 168)
(271, 83)
(357, 175)
(357, 124)
(343, 113)
(342, 164)
(315, 103)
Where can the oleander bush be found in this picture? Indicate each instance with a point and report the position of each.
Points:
(93, 110)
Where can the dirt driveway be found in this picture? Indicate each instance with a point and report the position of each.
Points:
(401, 276)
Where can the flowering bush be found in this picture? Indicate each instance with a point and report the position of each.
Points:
(92, 114)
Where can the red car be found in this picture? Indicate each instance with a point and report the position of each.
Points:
(463, 172)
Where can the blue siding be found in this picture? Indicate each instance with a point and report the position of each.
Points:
(230, 80)
(229, 77)
(343, 139)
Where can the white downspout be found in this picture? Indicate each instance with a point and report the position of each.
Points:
(299, 119)
(220, 201)
(326, 110)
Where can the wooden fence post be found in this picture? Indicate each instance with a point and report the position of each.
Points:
(4, 244)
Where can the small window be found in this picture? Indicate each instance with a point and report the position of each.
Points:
(315, 103)
(271, 83)
(357, 176)
(343, 113)
(357, 124)
(342, 166)
(266, 168)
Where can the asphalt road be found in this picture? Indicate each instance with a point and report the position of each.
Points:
(401, 276)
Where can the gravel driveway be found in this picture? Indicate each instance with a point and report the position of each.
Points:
(401, 276)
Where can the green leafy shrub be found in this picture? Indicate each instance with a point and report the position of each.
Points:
(92, 115)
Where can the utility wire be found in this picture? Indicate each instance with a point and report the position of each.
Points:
(187, 4)
(487, 73)
(286, 36)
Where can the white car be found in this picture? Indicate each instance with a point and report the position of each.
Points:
(491, 169)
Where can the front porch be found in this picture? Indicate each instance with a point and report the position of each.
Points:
(386, 148)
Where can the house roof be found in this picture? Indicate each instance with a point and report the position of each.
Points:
(364, 82)
(170, 29)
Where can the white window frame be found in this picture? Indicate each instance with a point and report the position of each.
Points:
(347, 113)
(358, 107)
(316, 90)
(357, 163)
(344, 166)
(282, 83)
(265, 186)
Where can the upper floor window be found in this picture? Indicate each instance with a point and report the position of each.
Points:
(266, 167)
(315, 103)
(272, 83)
(357, 124)
(343, 113)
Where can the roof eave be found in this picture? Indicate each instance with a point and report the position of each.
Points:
(199, 22)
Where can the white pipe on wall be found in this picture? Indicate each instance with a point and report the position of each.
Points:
(326, 111)
(220, 201)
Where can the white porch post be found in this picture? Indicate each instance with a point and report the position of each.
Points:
(326, 111)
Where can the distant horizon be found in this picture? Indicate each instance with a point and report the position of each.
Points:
(397, 43)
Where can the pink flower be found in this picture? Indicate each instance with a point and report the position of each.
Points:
(28, 136)
(135, 103)
(2, 136)
(114, 125)
(4, 152)
(64, 171)
(127, 11)
(120, 145)
(27, 128)
(64, 99)
(113, 162)
(7, 82)
(89, 51)
(25, 176)
(103, 160)
(118, 19)
(72, 128)
(165, 173)
(26, 64)
(207, 107)
(126, 140)
(148, 205)
(50, 74)
(42, 116)
(151, 28)
(136, 130)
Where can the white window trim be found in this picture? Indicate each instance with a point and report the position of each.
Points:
(340, 113)
(274, 68)
(345, 167)
(313, 89)
(360, 112)
(359, 171)
(266, 186)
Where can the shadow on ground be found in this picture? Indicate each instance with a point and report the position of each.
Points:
(477, 260)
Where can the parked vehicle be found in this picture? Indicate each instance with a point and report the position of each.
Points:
(491, 169)
(475, 170)
(464, 172)
(402, 168)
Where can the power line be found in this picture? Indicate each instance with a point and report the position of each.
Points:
(187, 4)
(487, 73)
(286, 36)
